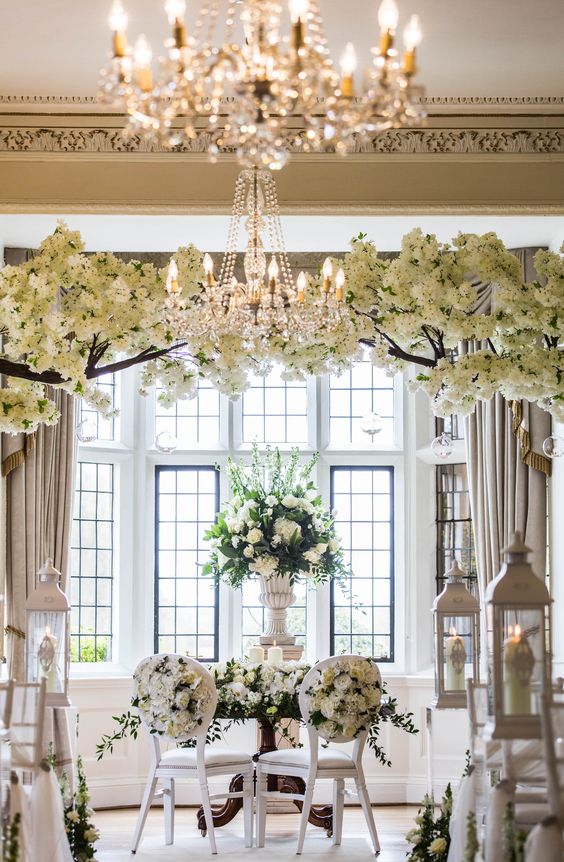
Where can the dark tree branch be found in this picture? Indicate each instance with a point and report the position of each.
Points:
(24, 372)
(52, 378)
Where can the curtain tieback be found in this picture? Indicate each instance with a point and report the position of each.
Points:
(12, 630)
(16, 459)
(531, 459)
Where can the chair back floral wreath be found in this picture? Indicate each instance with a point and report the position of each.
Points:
(176, 696)
(341, 696)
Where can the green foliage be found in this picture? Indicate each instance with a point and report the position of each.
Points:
(92, 649)
(389, 712)
(10, 844)
(513, 839)
(430, 837)
(81, 832)
(472, 845)
(128, 727)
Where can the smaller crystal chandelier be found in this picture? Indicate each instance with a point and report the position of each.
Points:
(259, 91)
(266, 303)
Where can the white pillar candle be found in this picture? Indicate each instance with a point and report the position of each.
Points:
(52, 680)
(518, 664)
(455, 656)
(275, 655)
(256, 654)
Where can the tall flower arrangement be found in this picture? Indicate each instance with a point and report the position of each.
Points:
(276, 524)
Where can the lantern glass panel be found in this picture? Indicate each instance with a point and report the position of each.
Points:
(458, 650)
(523, 655)
(46, 653)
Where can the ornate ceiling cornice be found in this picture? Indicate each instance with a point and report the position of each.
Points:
(439, 104)
(456, 141)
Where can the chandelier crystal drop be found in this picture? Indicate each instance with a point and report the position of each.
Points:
(254, 90)
(263, 302)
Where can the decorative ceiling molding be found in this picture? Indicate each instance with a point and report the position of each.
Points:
(435, 104)
(457, 141)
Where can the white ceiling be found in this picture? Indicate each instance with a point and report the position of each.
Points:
(303, 233)
(471, 47)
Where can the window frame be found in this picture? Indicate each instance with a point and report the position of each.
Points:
(373, 468)
(135, 558)
(158, 470)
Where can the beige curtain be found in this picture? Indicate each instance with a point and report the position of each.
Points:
(38, 495)
(38, 498)
(507, 472)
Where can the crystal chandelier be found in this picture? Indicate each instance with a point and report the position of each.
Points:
(247, 91)
(266, 304)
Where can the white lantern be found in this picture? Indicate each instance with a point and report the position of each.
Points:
(47, 636)
(519, 653)
(456, 614)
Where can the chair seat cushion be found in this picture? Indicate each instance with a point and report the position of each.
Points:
(186, 757)
(328, 758)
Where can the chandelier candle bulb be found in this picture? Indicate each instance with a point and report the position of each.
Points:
(348, 67)
(339, 282)
(272, 273)
(301, 285)
(208, 269)
(412, 36)
(388, 16)
(142, 56)
(118, 24)
(172, 285)
(327, 271)
(275, 655)
(518, 662)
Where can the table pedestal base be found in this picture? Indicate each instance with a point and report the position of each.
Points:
(320, 815)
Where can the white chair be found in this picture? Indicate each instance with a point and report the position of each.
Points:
(27, 723)
(552, 717)
(331, 763)
(6, 700)
(201, 763)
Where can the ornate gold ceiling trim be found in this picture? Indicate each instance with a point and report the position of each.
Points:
(452, 141)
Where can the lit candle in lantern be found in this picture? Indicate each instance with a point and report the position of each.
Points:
(275, 655)
(208, 269)
(455, 657)
(518, 664)
(256, 654)
(49, 644)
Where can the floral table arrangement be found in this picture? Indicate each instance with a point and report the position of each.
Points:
(277, 529)
(269, 694)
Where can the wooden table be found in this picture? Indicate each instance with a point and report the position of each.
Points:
(320, 815)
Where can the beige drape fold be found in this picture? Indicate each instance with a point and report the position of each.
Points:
(38, 499)
(505, 493)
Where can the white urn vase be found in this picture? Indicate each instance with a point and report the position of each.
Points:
(276, 595)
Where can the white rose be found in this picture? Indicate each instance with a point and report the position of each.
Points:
(270, 500)
(290, 501)
(248, 551)
(254, 536)
(333, 545)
